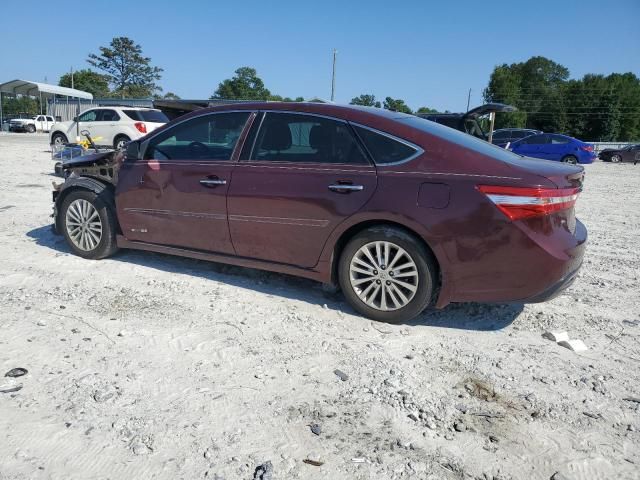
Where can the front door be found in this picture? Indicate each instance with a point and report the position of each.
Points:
(304, 175)
(176, 195)
(86, 121)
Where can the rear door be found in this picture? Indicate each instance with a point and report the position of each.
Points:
(557, 147)
(177, 195)
(298, 177)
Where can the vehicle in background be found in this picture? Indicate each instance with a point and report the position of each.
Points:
(114, 126)
(468, 122)
(502, 136)
(630, 153)
(399, 211)
(553, 146)
(31, 123)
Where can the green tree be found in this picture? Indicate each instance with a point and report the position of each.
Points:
(244, 85)
(366, 100)
(396, 105)
(87, 80)
(20, 104)
(130, 73)
(427, 110)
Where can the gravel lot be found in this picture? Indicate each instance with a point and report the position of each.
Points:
(150, 366)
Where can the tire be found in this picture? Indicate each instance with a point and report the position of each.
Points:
(59, 139)
(615, 158)
(120, 141)
(31, 128)
(572, 159)
(402, 303)
(93, 243)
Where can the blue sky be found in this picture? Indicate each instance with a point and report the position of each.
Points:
(427, 53)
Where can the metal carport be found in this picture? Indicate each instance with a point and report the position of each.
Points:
(43, 90)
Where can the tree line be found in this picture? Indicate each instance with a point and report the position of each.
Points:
(595, 107)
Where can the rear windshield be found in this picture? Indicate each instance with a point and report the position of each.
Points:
(463, 139)
(152, 116)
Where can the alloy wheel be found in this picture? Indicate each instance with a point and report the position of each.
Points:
(83, 224)
(615, 158)
(383, 275)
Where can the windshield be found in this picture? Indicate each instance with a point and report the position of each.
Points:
(462, 139)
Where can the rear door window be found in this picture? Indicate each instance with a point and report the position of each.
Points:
(558, 140)
(209, 137)
(292, 137)
(384, 148)
(109, 116)
(504, 135)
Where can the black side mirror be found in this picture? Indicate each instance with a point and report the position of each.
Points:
(75, 119)
(133, 151)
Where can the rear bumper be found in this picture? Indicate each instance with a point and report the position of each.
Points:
(554, 290)
(518, 265)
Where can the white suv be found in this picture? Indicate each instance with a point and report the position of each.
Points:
(113, 126)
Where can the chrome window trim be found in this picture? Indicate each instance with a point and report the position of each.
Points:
(418, 150)
(144, 145)
(370, 161)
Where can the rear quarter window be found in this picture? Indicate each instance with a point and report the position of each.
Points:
(151, 116)
(386, 149)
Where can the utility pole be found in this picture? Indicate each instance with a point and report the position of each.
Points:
(72, 78)
(333, 76)
(468, 99)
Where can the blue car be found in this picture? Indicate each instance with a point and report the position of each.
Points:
(552, 146)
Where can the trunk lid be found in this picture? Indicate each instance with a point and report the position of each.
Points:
(563, 175)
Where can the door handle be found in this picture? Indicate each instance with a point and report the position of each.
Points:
(345, 188)
(212, 182)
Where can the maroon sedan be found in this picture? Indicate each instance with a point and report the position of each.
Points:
(399, 211)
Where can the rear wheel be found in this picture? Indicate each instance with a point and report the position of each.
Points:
(58, 139)
(615, 158)
(88, 224)
(387, 274)
(120, 141)
(570, 159)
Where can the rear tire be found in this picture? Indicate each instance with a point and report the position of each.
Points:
(572, 159)
(390, 293)
(120, 141)
(88, 224)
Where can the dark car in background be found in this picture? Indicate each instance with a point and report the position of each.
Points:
(399, 211)
(630, 153)
(553, 146)
(468, 122)
(502, 136)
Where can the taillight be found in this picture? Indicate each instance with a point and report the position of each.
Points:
(587, 148)
(141, 126)
(518, 202)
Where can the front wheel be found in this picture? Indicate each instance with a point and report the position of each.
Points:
(387, 274)
(572, 159)
(88, 224)
(616, 158)
(31, 128)
(58, 139)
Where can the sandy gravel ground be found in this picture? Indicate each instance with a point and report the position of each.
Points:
(148, 366)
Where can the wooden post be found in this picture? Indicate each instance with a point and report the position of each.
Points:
(492, 119)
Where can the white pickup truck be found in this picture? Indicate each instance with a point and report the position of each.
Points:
(41, 123)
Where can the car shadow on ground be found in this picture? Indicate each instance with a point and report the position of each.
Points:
(467, 316)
